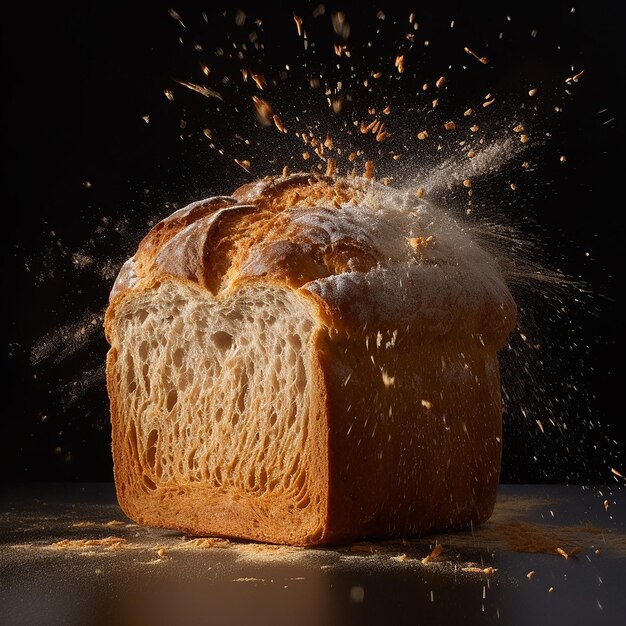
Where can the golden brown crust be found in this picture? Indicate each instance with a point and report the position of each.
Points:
(426, 436)
(297, 231)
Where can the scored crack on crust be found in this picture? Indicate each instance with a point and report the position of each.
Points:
(348, 245)
(310, 360)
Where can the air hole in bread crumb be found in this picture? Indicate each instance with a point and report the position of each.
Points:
(132, 439)
(172, 399)
(275, 384)
(151, 445)
(191, 459)
(295, 342)
(148, 483)
(304, 502)
(293, 413)
(300, 479)
(223, 341)
(217, 476)
(130, 367)
(143, 350)
(291, 358)
(251, 480)
(145, 372)
(300, 377)
(177, 358)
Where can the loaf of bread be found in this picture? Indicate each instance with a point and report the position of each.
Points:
(310, 360)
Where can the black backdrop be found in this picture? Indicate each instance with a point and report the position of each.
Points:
(84, 175)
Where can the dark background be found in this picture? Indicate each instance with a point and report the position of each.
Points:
(77, 82)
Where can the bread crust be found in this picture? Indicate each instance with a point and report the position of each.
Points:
(407, 412)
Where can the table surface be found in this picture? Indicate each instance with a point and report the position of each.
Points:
(69, 556)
